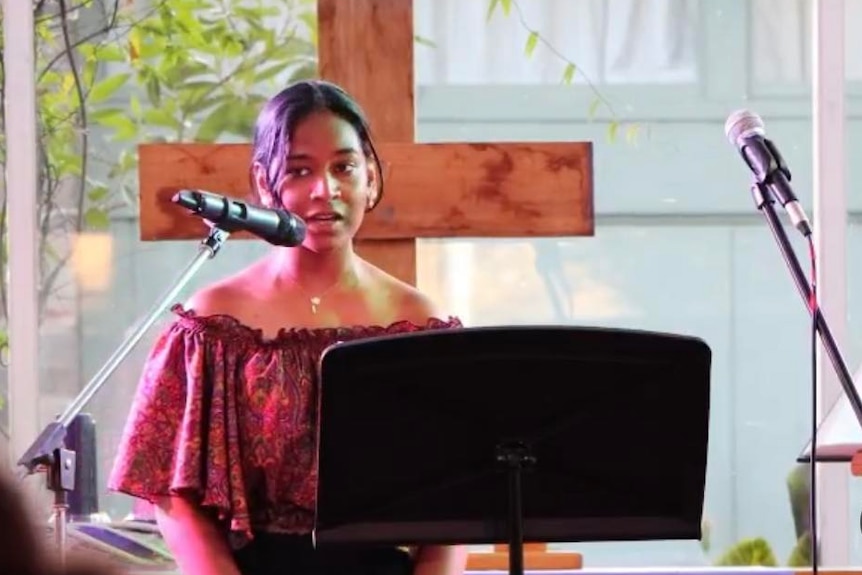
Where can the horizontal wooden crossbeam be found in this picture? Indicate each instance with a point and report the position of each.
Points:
(435, 190)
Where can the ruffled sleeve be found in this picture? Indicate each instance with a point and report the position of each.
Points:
(181, 436)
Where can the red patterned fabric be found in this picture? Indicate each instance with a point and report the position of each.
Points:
(225, 415)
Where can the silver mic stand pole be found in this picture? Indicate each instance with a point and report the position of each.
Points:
(48, 452)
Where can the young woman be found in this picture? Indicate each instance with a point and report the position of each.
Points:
(221, 433)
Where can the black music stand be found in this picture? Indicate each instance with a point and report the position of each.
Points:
(512, 434)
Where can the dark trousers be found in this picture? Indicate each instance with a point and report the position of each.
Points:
(277, 554)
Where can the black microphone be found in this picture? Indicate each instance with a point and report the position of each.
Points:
(278, 227)
(745, 131)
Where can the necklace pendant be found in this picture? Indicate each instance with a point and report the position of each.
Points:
(315, 301)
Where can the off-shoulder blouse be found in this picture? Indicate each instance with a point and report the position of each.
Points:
(226, 415)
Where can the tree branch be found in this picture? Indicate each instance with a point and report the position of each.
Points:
(110, 25)
(82, 110)
(541, 38)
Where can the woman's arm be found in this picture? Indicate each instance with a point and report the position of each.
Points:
(193, 538)
(440, 560)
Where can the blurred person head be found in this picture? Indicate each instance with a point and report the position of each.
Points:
(23, 551)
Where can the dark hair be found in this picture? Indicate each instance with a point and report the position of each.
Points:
(284, 111)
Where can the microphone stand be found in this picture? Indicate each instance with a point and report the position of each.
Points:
(49, 452)
(765, 202)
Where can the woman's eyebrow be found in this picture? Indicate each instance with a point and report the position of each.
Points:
(338, 152)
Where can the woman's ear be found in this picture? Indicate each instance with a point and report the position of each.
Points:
(373, 186)
(260, 181)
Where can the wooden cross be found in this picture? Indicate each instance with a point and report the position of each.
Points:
(432, 190)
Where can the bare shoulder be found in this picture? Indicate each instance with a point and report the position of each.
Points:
(410, 303)
(415, 306)
(221, 297)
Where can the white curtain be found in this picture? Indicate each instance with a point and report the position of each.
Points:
(611, 41)
(781, 40)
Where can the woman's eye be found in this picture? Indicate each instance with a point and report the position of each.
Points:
(345, 168)
(298, 172)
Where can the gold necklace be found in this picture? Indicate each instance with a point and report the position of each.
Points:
(315, 300)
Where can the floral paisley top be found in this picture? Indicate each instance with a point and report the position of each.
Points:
(226, 415)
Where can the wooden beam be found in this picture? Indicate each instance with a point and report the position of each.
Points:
(366, 46)
(432, 190)
(537, 557)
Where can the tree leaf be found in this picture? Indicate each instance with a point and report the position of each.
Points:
(492, 5)
(160, 117)
(532, 42)
(100, 115)
(97, 193)
(569, 73)
(613, 128)
(304, 72)
(124, 128)
(135, 105)
(268, 73)
(631, 133)
(215, 123)
(594, 107)
(102, 52)
(154, 90)
(96, 219)
(68, 82)
(134, 44)
(424, 41)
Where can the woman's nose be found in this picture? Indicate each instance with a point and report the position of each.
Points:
(325, 187)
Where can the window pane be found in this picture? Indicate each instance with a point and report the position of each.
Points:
(679, 247)
(611, 41)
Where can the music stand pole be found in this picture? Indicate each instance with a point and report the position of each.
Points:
(764, 202)
(515, 457)
(49, 452)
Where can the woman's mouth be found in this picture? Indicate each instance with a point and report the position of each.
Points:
(323, 220)
(325, 217)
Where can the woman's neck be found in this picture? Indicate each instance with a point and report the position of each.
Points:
(314, 272)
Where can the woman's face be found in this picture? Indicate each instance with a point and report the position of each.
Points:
(328, 181)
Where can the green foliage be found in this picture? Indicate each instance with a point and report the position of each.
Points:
(180, 70)
(202, 68)
(183, 70)
(800, 556)
(570, 70)
(505, 5)
(756, 551)
(799, 491)
(753, 551)
(423, 41)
